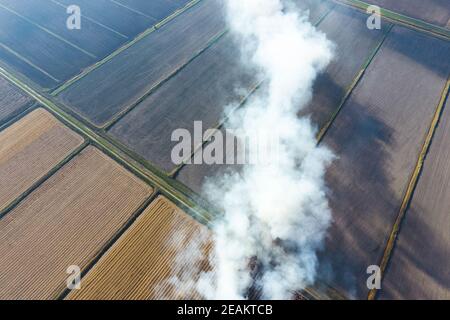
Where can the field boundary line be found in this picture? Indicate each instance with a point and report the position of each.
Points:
(37, 25)
(94, 21)
(221, 123)
(124, 47)
(391, 242)
(28, 62)
(132, 9)
(218, 126)
(211, 42)
(399, 18)
(166, 185)
(309, 292)
(323, 131)
(103, 251)
(7, 122)
(43, 179)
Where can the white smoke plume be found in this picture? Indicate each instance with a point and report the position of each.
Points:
(275, 214)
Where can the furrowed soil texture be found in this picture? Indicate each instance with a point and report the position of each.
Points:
(198, 92)
(431, 11)
(112, 16)
(12, 100)
(67, 221)
(142, 263)
(120, 83)
(377, 138)
(29, 149)
(420, 260)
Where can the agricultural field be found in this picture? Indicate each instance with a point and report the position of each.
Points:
(195, 93)
(156, 9)
(87, 117)
(195, 176)
(124, 80)
(48, 53)
(92, 39)
(432, 11)
(419, 265)
(12, 101)
(112, 16)
(354, 44)
(377, 139)
(67, 221)
(316, 9)
(53, 58)
(29, 149)
(144, 261)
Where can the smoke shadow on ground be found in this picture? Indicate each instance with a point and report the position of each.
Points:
(363, 204)
(418, 268)
(414, 46)
(326, 93)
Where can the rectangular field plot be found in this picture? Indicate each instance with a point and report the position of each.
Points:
(67, 221)
(44, 58)
(419, 265)
(432, 11)
(29, 149)
(355, 43)
(91, 37)
(142, 262)
(121, 82)
(200, 92)
(377, 139)
(12, 100)
(156, 9)
(316, 9)
(194, 176)
(112, 16)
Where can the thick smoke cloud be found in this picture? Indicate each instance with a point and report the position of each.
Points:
(275, 214)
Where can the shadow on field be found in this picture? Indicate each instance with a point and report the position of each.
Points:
(362, 203)
(418, 268)
(414, 46)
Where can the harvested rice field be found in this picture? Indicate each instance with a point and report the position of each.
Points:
(195, 93)
(316, 9)
(67, 221)
(354, 45)
(95, 122)
(12, 101)
(48, 53)
(37, 54)
(419, 265)
(156, 9)
(432, 11)
(29, 149)
(124, 80)
(195, 176)
(144, 262)
(112, 16)
(47, 15)
(378, 137)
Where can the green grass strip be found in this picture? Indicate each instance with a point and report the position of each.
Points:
(173, 73)
(118, 234)
(402, 19)
(167, 186)
(411, 187)
(323, 131)
(44, 178)
(141, 36)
